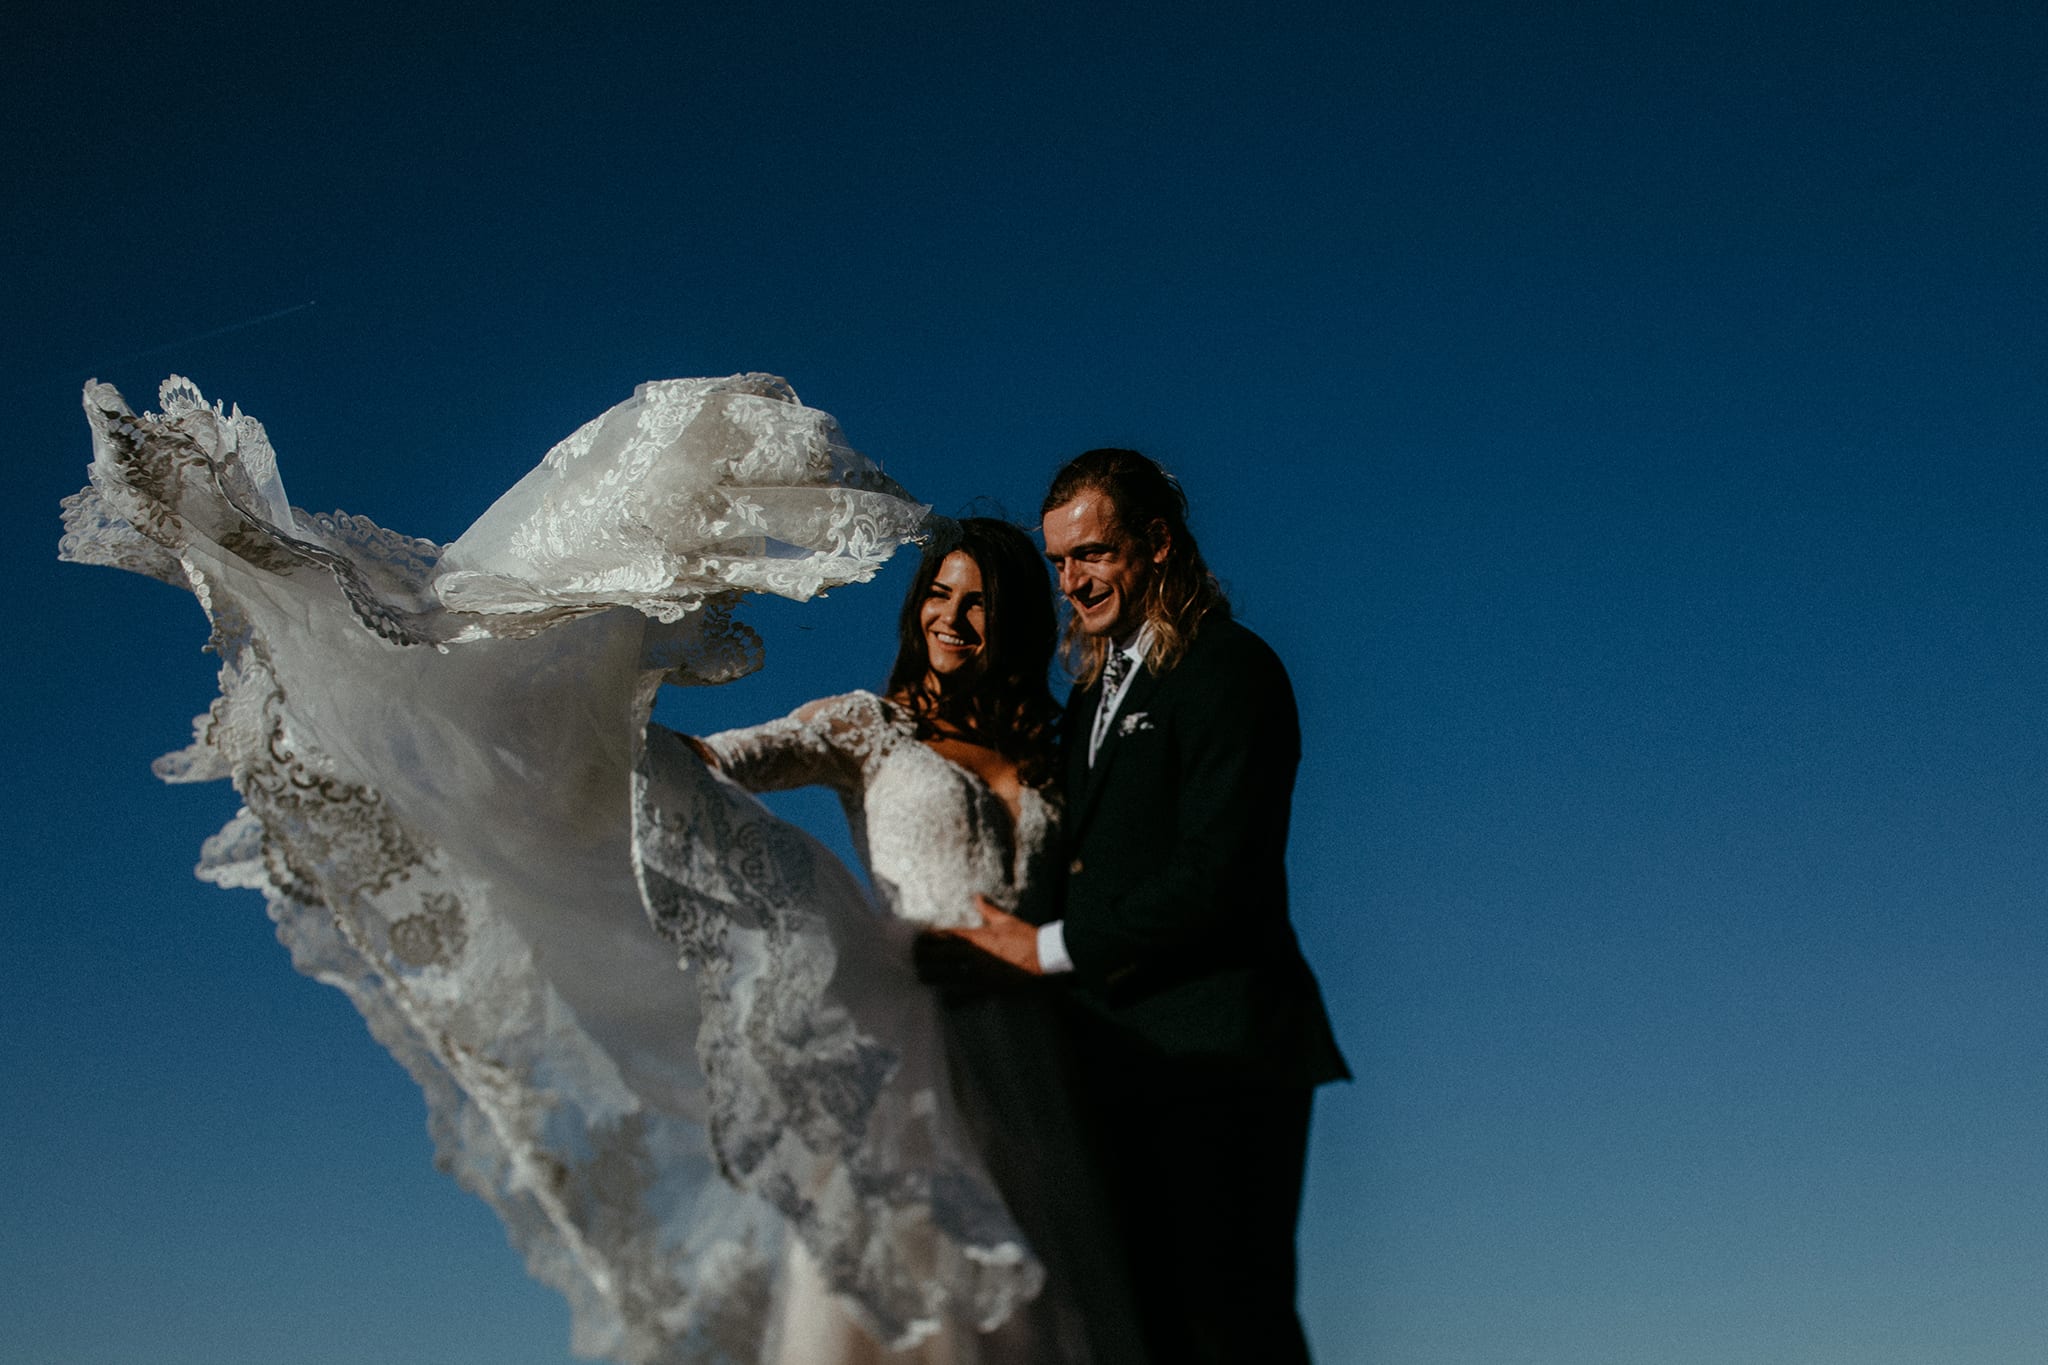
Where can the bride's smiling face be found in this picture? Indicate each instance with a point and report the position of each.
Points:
(954, 617)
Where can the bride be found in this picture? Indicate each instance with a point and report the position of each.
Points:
(458, 814)
(946, 784)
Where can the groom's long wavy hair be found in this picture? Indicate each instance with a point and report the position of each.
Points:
(1180, 592)
(1007, 704)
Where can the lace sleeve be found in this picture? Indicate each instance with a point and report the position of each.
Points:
(823, 743)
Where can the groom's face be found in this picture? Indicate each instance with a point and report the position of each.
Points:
(1103, 570)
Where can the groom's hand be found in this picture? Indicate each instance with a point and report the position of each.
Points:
(1002, 935)
(1000, 950)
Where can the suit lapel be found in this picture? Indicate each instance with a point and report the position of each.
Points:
(1080, 710)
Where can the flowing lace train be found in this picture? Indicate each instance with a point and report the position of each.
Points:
(438, 753)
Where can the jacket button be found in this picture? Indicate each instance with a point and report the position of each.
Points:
(1074, 868)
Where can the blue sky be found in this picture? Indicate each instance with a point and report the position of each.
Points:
(1626, 421)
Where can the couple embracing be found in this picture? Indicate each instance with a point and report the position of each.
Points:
(1085, 1145)
(1134, 1034)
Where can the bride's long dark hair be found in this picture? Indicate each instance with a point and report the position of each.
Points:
(1006, 702)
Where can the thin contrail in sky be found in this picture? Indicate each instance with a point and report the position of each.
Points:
(216, 332)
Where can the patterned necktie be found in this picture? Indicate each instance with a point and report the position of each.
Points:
(1114, 671)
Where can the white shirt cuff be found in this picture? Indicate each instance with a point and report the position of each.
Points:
(1052, 949)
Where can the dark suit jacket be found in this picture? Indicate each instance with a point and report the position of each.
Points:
(1176, 896)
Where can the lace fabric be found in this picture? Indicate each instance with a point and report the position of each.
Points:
(931, 833)
(438, 753)
(853, 1140)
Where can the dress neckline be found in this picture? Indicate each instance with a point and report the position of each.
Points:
(907, 723)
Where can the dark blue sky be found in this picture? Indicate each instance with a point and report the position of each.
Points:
(1627, 422)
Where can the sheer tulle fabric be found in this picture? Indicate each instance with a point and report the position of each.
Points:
(452, 805)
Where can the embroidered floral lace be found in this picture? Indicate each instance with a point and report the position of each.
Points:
(453, 806)
(931, 833)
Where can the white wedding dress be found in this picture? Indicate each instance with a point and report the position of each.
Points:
(932, 834)
(458, 815)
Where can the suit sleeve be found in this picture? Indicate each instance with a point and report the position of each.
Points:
(1237, 744)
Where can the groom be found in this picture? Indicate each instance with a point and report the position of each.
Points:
(1203, 1033)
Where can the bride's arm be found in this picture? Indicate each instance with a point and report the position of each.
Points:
(818, 744)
